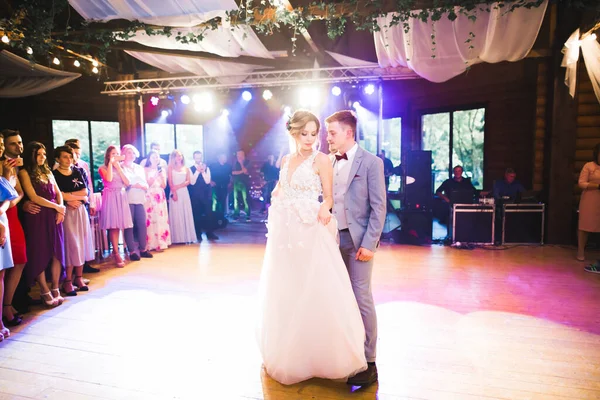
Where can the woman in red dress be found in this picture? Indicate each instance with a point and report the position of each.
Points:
(17, 242)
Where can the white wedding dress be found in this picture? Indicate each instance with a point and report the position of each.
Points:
(310, 324)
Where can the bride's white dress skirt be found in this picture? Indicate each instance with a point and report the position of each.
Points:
(310, 325)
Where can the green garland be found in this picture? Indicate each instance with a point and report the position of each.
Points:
(40, 27)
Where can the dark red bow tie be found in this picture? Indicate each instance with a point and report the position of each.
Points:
(342, 157)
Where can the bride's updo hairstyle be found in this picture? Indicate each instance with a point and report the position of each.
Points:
(298, 121)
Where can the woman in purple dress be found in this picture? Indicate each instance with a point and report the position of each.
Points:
(44, 229)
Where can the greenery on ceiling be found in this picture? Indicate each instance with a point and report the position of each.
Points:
(45, 28)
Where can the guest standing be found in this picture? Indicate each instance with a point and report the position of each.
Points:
(158, 231)
(200, 195)
(589, 204)
(136, 236)
(241, 185)
(221, 179)
(13, 275)
(45, 229)
(181, 218)
(115, 215)
(77, 230)
(7, 194)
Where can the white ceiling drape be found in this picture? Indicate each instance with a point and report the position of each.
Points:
(21, 78)
(498, 36)
(590, 48)
(183, 15)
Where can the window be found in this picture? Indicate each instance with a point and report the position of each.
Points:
(64, 130)
(185, 138)
(390, 141)
(94, 136)
(455, 138)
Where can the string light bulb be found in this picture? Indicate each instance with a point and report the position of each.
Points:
(5, 39)
(95, 70)
(77, 63)
(29, 51)
(95, 63)
(56, 61)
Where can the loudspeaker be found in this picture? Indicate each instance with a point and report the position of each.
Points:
(419, 193)
(417, 226)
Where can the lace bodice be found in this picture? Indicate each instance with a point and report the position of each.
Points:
(304, 183)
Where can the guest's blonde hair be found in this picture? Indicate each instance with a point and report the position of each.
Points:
(173, 155)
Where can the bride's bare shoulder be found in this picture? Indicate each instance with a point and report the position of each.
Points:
(322, 158)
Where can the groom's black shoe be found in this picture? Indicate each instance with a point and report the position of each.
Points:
(365, 378)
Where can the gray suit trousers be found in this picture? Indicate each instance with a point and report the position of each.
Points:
(360, 276)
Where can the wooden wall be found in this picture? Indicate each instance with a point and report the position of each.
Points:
(588, 125)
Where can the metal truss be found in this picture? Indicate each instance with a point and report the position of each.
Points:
(257, 79)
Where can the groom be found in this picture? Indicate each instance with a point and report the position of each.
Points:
(359, 205)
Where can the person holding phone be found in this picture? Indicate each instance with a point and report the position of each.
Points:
(158, 232)
(115, 215)
(11, 159)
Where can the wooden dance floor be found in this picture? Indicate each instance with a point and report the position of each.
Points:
(521, 323)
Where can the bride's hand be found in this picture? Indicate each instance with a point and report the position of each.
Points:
(324, 216)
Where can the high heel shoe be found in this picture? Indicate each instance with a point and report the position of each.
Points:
(119, 261)
(68, 293)
(57, 296)
(5, 332)
(83, 287)
(50, 303)
(16, 320)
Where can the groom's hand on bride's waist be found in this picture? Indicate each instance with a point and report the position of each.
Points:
(364, 254)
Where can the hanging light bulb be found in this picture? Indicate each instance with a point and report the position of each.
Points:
(95, 63)
(56, 61)
(5, 39)
(95, 70)
(29, 51)
(77, 63)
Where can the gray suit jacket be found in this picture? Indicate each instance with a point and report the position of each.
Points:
(365, 200)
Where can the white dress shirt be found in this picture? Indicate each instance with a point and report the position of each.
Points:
(341, 177)
(205, 175)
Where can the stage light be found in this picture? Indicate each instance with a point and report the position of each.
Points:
(225, 112)
(309, 96)
(355, 105)
(246, 95)
(29, 51)
(154, 100)
(56, 61)
(95, 70)
(203, 102)
(164, 113)
(336, 91)
(287, 110)
(267, 95)
(369, 89)
(185, 99)
(5, 39)
(77, 63)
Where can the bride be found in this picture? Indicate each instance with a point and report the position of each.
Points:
(310, 325)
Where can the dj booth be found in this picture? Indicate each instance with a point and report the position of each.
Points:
(485, 223)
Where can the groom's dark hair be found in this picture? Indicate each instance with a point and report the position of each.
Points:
(345, 117)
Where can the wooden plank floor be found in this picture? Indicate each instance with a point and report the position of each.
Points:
(522, 323)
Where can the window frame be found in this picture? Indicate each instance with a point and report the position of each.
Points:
(451, 110)
(91, 164)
